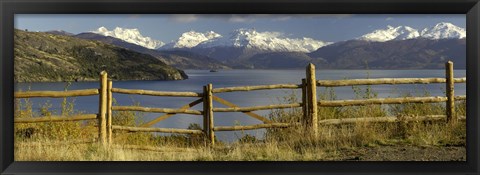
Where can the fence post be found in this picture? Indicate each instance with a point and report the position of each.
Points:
(312, 117)
(304, 101)
(102, 109)
(208, 114)
(205, 113)
(109, 112)
(450, 107)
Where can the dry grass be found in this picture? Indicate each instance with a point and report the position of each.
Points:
(291, 144)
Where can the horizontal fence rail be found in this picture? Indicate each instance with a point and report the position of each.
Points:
(259, 87)
(56, 118)
(401, 100)
(391, 119)
(164, 130)
(38, 144)
(57, 94)
(156, 93)
(252, 127)
(159, 110)
(256, 108)
(251, 114)
(385, 81)
(461, 97)
(167, 115)
(152, 148)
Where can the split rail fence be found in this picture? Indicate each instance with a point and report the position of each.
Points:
(309, 105)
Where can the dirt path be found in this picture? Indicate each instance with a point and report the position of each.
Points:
(401, 153)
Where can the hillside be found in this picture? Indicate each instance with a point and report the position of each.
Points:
(282, 60)
(417, 53)
(178, 59)
(44, 57)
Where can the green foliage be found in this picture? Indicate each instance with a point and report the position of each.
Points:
(194, 139)
(417, 109)
(48, 130)
(461, 108)
(247, 138)
(294, 115)
(328, 112)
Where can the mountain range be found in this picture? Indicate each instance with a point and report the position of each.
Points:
(441, 30)
(399, 47)
(191, 39)
(131, 36)
(176, 58)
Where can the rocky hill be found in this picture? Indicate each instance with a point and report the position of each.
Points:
(44, 57)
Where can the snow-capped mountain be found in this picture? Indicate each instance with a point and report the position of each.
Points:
(391, 33)
(191, 39)
(249, 48)
(132, 36)
(265, 41)
(444, 30)
(441, 30)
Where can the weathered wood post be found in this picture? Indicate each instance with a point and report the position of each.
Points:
(109, 112)
(205, 113)
(102, 125)
(450, 107)
(208, 114)
(312, 117)
(304, 101)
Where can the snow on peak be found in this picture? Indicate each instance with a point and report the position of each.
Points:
(191, 39)
(441, 30)
(444, 30)
(130, 35)
(391, 33)
(212, 35)
(266, 41)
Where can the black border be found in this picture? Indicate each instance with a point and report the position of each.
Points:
(10, 7)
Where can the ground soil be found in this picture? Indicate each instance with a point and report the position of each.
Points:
(401, 153)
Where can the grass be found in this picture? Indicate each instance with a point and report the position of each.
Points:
(278, 144)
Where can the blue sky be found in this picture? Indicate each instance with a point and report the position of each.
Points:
(167, 27)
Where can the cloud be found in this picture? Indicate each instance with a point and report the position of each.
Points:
(287, 17)
(389, 19)
(282, 17)
(248, 18)
(185, 18)
(241, 18)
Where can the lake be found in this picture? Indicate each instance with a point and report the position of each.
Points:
(228, 78)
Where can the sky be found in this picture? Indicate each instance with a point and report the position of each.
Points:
(168, 27)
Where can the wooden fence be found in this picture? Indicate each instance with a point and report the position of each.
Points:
(309, 105)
